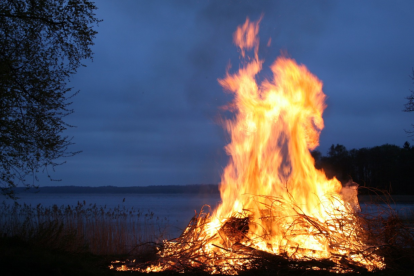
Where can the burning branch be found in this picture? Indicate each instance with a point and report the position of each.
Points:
(277, 209)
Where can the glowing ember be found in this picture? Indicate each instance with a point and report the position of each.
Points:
(276, 207)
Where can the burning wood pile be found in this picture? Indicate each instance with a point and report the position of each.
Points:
(277, 210)
(232, 248)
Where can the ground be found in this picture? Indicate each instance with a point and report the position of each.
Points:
(22, 258)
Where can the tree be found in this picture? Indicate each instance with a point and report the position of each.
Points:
(42, 43)
(409, 106)
(339, 165)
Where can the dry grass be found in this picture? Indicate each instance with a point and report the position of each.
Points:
(344, 233)
(357, 241)
(391, 228)
(83, 228)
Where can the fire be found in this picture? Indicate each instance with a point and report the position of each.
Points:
(275, 204)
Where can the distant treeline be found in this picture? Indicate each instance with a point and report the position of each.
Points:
(168, 189)
(387, 167)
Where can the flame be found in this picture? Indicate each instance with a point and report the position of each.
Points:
(276, 125)
(274, 201)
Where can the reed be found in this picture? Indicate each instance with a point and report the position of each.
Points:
(84, 228)
(389, 227)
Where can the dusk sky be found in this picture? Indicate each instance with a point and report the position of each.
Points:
(148, 104)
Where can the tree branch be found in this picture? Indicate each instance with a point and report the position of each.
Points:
(33, 18)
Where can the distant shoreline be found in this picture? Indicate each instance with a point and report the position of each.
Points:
(383, 199)
(177, 189)
(159, 189)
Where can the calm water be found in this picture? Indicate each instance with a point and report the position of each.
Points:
(177, 208)
(404, 210)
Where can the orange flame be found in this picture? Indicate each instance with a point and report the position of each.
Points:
(273, 198)
(271, 177)
(276, 125)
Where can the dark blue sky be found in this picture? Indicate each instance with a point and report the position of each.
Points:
(149, 102)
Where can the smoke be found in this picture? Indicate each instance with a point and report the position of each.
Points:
(292, 27)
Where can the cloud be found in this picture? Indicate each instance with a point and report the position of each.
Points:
(148, 105)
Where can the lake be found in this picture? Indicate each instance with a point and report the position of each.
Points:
(178, 209)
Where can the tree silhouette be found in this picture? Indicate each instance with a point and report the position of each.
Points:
(42, 43)
(409, 106)
(386, 167)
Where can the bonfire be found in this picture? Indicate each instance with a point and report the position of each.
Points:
(277, 209)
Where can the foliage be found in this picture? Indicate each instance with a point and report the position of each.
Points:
(83, 228)
(409, 106)
(42, 43)
(386, 167)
